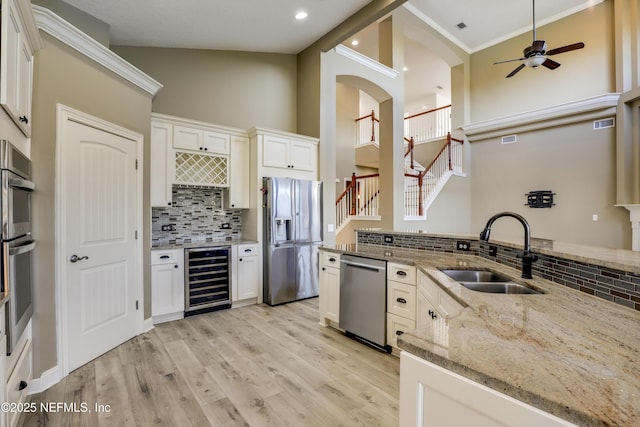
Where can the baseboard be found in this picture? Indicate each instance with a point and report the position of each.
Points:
(48, 378)
(147, 325)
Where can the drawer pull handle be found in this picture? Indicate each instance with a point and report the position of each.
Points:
(399, 333)
(23, 384)
(248, 250)
(401, 300)
(165, 257)
(332, 259)
(401, 273)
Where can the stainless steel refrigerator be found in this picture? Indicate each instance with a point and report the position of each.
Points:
(292, 226)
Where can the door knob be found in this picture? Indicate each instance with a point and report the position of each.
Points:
(75, 258)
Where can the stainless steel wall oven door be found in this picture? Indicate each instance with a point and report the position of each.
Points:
(15, 236)
(16, 265)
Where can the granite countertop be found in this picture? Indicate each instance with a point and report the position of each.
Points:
(203, 244)
(565, 352)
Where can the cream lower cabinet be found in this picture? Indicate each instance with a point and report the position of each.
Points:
(167, 285)
(329, 284)
(245, 282)
(433, 396)
(401, 301)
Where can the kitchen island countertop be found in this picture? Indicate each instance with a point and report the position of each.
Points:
(565, 352)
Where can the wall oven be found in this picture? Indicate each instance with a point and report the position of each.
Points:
(15, 236)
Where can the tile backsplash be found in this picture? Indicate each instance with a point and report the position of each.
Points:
(198, 215)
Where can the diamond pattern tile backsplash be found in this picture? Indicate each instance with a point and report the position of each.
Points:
(197, 215)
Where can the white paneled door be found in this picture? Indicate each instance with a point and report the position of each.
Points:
(100, 205)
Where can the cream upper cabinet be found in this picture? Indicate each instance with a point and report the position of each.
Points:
(162, 163)
(197, 139)
(239, 173)
(289, 153)
(17, 46)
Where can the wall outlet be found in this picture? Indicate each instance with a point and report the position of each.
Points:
(388, 238)
(225, 226)
(168, 227)
(463, 246)
(493, 251)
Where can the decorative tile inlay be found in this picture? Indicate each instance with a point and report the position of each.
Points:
(198, 215)
(614, 285)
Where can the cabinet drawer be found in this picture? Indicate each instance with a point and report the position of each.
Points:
(17, 392)
(174, 256)
(330, 259)
(401, 273)
(247, 250)
(396, 326)
(401, 299)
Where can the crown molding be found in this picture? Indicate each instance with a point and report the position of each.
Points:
(561, 114)
(70, 35)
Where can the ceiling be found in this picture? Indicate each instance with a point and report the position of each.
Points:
(269, 26)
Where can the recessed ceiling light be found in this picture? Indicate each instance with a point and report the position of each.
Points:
(301, 15)
(355, 43)
(462, 25)
(439, 87)
(404, 68)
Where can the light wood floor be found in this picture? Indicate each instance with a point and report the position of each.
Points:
(251, 366)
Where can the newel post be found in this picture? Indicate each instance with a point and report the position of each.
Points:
(373, 126)
(420, 208)
(353, 194)
(449, 150)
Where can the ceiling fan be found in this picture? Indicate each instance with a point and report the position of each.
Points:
(537, 54)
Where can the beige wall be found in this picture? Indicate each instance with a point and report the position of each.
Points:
(237, 89)
(584, 73)
(574, 161)
(63, 76)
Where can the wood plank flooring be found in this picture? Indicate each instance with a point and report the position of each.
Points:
(251, 366)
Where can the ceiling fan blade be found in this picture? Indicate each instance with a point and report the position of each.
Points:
(550, 64)
(513, 73)
(566, 48)
(509, 60)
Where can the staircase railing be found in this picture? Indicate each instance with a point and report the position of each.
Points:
(359, 198)
(367, 127)
(432, 124)
(420, 189)
(428, 125)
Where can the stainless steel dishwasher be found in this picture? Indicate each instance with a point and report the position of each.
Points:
(363, 300)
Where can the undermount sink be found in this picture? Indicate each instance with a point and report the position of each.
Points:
(488, 281)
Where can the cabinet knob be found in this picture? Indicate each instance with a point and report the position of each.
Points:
(24, 119)
(323, 269)
(240, 260)
(169, 203)
(23, 384)
(399, 333)
(201, 148)
(206, 149)
(175, 266)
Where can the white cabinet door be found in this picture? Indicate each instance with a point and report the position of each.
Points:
(247, 283)
(303, 156)
(216, 142)
(239, 170)
(275, 152)
(167, 285)
(186, 138)
(329, 288)
(433, 396)
(161, 164)
(16, 67)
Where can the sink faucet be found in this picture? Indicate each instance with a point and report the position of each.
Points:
(528, 258)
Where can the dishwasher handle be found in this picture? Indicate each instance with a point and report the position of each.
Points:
(363, 266)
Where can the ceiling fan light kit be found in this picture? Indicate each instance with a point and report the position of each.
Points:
(537, 54)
